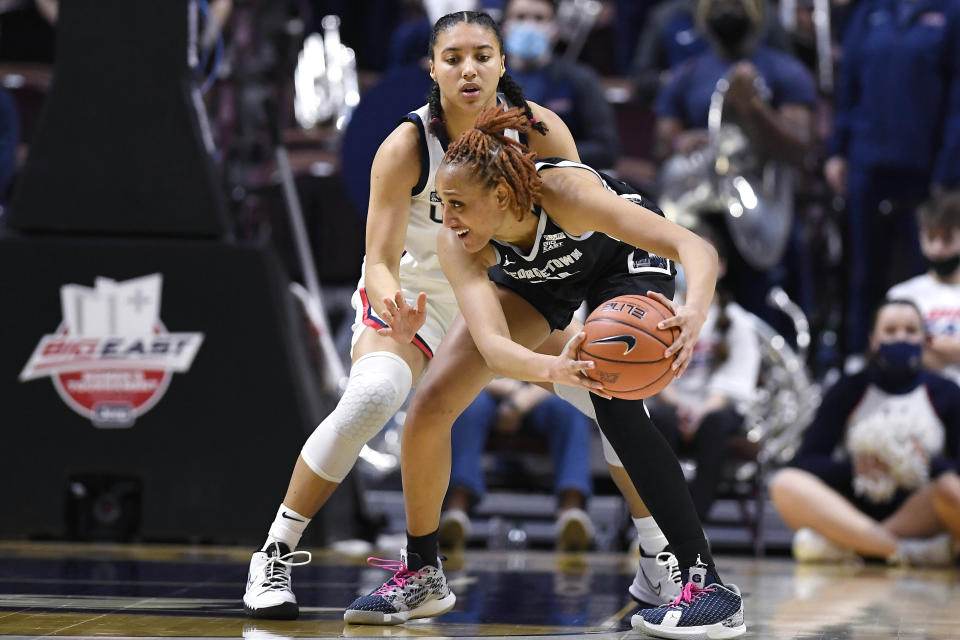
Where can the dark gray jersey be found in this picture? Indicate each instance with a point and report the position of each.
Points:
(561, 270)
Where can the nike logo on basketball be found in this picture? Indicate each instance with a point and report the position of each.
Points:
(629, 341)
(284, 514)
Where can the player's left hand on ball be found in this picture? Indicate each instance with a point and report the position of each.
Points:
(567, 369)
(403, 320)
(689, 320)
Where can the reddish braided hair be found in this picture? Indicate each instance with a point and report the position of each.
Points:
(491, 155)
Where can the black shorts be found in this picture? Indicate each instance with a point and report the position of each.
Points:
(879, 511)
(559, 311)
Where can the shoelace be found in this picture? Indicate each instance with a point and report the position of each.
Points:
(401, 575)
(668, 560)
(276, 574)
(688, 594)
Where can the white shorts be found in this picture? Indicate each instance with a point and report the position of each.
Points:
(441, 311)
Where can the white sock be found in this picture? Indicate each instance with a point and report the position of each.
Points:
(652, 539)
(287, 528)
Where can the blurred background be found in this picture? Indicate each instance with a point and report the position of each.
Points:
(226, 145)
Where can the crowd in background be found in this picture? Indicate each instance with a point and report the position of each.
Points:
(869, 135)
(863, 140)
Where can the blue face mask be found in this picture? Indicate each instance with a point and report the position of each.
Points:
(527, 41)
(898, 362)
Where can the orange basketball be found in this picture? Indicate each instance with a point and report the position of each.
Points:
(627, 347)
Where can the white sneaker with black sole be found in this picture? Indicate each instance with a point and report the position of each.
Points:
(658, 579)
(269, 593)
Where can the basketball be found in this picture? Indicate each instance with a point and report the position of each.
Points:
(627, 347)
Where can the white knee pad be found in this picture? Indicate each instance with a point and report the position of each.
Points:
(379, 383)
(580, 398)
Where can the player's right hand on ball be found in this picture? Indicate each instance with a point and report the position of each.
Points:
(403, 321)
(567, 369)
(689, 321)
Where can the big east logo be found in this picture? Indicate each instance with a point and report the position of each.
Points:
(111, 358)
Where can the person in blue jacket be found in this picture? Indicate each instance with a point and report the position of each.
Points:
(896, 134)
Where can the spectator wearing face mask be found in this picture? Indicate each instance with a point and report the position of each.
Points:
(876, 472)
(896, 134)
(770, 97)
(937, 292)
(572, 91)
(670, 38)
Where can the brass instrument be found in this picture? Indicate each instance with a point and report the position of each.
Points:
(728, 177)
(325, 80)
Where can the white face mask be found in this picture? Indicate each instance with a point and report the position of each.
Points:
(527, 39)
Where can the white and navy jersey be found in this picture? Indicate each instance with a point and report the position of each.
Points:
(419, 265)
(914, 408)
(561, 270)
(420, 261)
(931, 407)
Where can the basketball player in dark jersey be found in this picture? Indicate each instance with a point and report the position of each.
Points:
(523, 246)
(403, 220)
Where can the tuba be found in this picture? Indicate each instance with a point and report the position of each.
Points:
(728, 176)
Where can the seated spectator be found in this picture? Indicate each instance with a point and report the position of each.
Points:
(572, 91)
(509, 407)
(876, 473)
(698, 412)
(770, 97)
(670, 38)
(937, 292)
(896, 133)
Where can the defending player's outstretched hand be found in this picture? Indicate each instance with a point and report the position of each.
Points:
(403, 321)
(689, 321)
(567, 369)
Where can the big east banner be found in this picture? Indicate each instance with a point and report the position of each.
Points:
(111, 359)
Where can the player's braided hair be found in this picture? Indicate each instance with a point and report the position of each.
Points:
(507, 85)
(492, 156)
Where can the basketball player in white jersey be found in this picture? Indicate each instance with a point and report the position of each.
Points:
(404, 218)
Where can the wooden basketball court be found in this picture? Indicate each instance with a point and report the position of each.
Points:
(141, 591)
